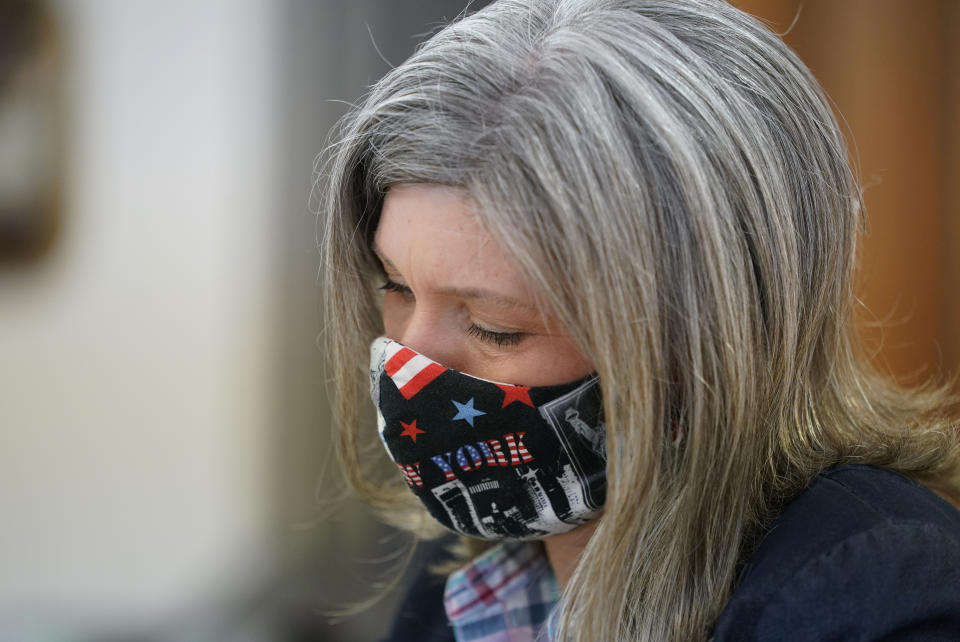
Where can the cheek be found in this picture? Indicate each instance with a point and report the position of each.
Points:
(557, 361)
(540, 360)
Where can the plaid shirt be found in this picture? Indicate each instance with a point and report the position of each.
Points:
(504, 595)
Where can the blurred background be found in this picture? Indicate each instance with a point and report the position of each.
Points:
(163, 426)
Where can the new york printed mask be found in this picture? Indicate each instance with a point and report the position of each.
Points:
(491, 460)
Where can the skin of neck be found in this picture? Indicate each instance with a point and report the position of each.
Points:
(564, 550)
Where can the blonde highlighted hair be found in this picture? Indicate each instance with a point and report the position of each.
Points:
(671, 179)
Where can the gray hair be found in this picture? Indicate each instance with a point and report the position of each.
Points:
(671, 178)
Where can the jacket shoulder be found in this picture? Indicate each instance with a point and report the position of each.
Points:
(862, 553)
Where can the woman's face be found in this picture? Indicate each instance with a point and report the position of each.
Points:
(453, 296)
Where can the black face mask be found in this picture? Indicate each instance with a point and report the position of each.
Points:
(487, 459)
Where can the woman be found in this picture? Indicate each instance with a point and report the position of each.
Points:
(616, 240)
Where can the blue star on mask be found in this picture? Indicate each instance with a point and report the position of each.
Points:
(467, 412)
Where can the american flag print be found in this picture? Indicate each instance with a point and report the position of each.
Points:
(409, 370)
(517, 449)
(467, 454)
(411, 474)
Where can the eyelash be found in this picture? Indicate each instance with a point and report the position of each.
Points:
(391, 286)
(500, 339)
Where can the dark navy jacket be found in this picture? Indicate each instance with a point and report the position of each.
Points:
(863, 553)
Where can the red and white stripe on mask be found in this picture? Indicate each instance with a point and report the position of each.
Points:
(408, 370)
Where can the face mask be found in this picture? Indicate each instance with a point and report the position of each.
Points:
(487, 459)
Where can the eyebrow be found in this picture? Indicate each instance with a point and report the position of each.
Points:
(486, 295)
(467, 293)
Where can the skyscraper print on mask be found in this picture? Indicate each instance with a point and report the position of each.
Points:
(487, 459)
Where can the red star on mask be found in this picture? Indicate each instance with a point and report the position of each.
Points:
(515, 393)
(410, 430)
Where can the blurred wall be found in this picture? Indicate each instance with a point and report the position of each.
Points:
(135, 383)
(892, 69)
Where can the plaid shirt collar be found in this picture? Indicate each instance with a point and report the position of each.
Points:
(504, 595)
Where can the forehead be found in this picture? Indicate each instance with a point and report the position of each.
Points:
(445, 208)
(431, 231)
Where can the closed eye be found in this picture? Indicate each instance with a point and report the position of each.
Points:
(500, 339)
(393, 286)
